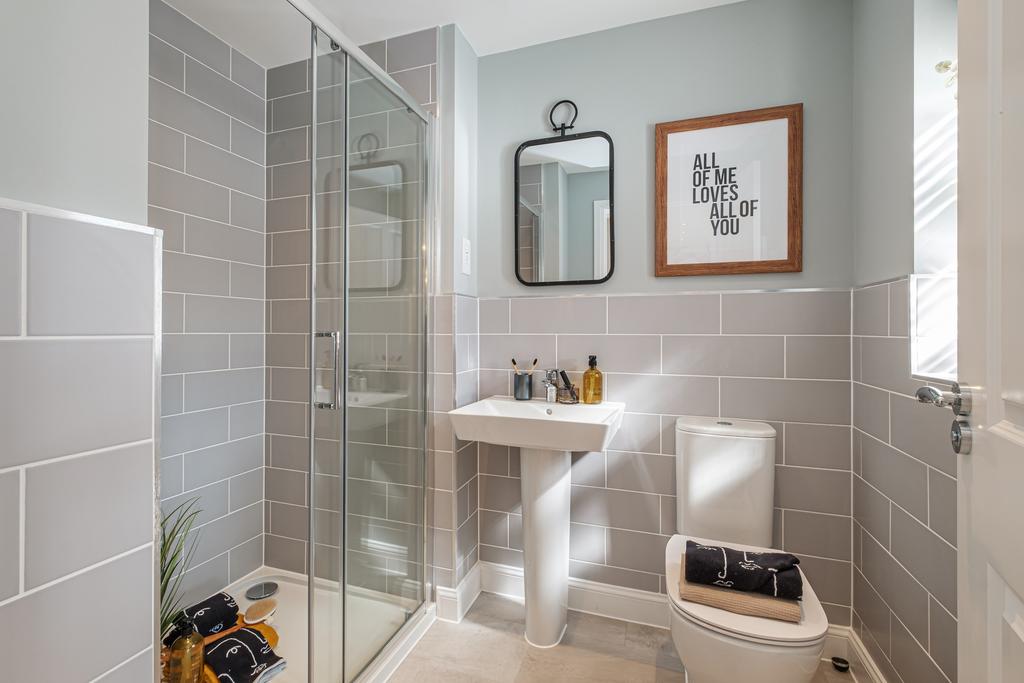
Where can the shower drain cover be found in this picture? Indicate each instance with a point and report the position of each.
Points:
(261, 591)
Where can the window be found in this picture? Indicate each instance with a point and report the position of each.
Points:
(933, 287)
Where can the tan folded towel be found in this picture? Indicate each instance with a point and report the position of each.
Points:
(740, 602)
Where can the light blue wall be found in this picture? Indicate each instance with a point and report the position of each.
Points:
(883, 139)
(457, 208)
(732, 58)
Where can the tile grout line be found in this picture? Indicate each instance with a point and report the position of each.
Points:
(215, 184)
(124, 663)
(74, 574)
(901, 566)
(185, 56)
(24, 274)
(22, 512)
(79, 337)
(74, 456)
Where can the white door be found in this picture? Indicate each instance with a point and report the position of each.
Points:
(991, 340)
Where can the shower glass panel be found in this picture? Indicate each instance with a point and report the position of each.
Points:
(327, 76)
(386, 434)
(369, 319)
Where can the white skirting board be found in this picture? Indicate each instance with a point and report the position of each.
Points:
(864, 665)
(453, 603)
(626, 604)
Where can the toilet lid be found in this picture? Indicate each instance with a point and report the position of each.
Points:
(812, 627)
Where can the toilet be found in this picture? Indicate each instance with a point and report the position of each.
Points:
(725, 478)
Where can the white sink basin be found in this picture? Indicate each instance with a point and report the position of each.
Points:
(545, 433)
(374, 398)
(364, 399)
(505, 421)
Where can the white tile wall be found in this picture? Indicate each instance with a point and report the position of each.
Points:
(78, 413)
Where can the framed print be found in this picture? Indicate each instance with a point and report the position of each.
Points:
(729, 193)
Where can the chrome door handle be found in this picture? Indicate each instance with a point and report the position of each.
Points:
(336, 403)
(959, 399)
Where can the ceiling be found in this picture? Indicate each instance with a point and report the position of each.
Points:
(272, 32)
(498, 25)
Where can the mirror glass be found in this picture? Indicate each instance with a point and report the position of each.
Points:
(564, 210)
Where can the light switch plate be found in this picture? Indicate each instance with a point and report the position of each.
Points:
(467, 257)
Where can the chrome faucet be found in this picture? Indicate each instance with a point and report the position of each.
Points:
(551, 385)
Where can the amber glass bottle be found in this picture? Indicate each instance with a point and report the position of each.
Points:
(185, 664)
(593, 383)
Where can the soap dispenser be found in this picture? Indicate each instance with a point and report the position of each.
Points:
(593, 383)
(185, 663)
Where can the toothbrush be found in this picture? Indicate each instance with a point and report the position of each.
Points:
(516, 367)
(532, 367)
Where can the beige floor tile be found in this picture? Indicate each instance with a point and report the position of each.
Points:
(653, 645)
(488, 647)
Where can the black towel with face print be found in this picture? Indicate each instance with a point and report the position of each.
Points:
(214, 614)
(243, 656)
(772, 574)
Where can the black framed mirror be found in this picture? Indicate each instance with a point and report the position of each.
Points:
(564, 208)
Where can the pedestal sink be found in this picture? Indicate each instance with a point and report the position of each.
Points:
(545, 434)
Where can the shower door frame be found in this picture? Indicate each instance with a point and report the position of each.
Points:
(319, 23)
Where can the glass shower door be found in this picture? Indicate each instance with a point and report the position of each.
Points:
(385, 439)
(369, 311)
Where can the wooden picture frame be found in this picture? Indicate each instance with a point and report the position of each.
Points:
(677, 253)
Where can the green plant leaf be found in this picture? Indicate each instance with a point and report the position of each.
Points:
(177, 550)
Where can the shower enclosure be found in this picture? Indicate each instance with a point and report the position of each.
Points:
(368, 382)
(266, 105)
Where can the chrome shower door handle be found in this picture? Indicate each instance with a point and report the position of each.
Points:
(957, 398)
(335, 404)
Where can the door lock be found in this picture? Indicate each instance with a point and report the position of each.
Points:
(960, 437)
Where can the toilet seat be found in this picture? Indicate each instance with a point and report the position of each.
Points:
(811, 628)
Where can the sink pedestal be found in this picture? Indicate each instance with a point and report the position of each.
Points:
(544, 433)
(545, 499)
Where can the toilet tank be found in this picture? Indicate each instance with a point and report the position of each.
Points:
(725, 480)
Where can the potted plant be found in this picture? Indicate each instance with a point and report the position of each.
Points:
(177, 548)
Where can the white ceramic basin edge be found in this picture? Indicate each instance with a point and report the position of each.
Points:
(537, 424)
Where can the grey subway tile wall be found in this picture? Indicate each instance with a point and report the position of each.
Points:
(904, 499)
(207, 191)
(455, 524)
(78, 413)
(467, 481)
(778, 357)
(10, 272)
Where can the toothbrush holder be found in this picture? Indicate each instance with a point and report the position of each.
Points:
(566, 396)
(522, 387)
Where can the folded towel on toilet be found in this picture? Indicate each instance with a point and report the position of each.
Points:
(243, 656)
(739, 602)
(214, 614)
(773, 574)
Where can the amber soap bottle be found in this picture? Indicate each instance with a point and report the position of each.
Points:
(593, 383)
(185, 664)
